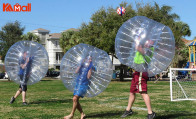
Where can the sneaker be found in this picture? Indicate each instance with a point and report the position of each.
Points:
(152, 116)
(24, 103)
(127, 113)
(12, 100)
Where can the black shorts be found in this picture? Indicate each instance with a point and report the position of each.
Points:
(23, 87)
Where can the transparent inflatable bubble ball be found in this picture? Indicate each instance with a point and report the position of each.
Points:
(145, 45)
(26, 62)
(86, 70)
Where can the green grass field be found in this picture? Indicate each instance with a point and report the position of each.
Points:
(49, 99)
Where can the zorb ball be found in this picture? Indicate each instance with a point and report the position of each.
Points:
(26, 62)
(145, 45)
(86, 70)
(121, 11)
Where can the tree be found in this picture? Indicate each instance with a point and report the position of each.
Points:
(102, 29)
(69, 39)
(31, 37)
(180, 30)
(9, 34)
(104, 25)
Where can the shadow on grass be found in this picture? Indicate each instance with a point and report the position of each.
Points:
(51, 101)
(110, 114)
(47, 80)
(176, 115)
(120, 81)
(130, 80)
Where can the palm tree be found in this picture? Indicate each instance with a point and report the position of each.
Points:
(69, 39)
(30, 36)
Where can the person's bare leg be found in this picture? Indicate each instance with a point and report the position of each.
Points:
(79, 107)
(147, 102)
(18, 93)
(130, 101)
(75, 103)
(23, 96)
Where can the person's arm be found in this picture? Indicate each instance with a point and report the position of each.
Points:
(25, 64)
(89, 73)
(22, 66)
(90, 70)
(77, 69)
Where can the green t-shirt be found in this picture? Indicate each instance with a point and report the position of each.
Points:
(139, 58)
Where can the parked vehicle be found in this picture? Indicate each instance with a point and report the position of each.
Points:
(6, 75)
(52, 73)
(2, 75)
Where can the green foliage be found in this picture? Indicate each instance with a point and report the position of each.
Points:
(69, 39)
(9, 34)
(51, 69)
(180, 30)
(31, 37)
(102, 29)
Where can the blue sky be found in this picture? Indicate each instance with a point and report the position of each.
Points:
(59, 15)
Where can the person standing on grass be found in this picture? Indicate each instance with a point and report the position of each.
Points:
(24, 73)
(139, 81)
(84, 71)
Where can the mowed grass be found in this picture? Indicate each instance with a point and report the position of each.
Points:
(49, 99)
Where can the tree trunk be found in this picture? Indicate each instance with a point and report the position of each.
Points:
(121, 73)
(112, 58)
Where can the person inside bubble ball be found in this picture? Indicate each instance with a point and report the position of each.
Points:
(24, 73)
(139, 80)
(144, 53)
(84, 71)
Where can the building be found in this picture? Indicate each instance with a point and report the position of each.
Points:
(51, 44)
(187, 42)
